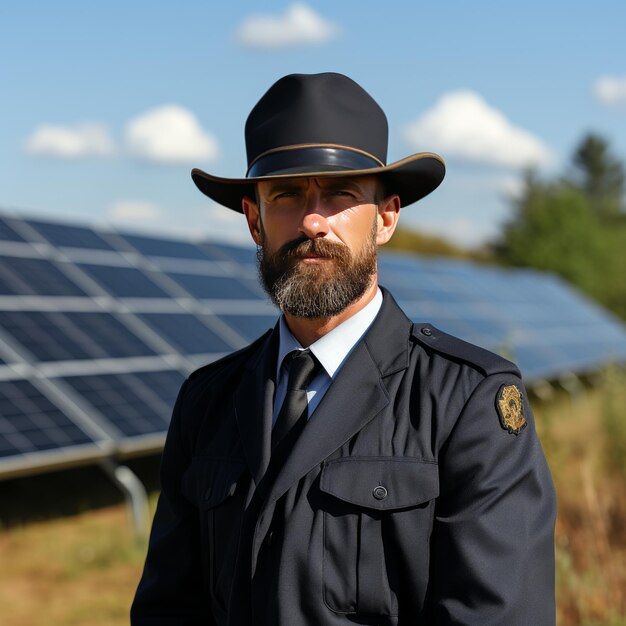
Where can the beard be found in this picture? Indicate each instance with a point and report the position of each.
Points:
(316, 290)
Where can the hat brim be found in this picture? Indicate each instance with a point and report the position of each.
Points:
(412, 178)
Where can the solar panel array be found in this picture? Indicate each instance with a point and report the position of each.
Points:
(98, 329)
(532, 318)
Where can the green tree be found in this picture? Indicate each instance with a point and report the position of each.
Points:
(556, 227)
(600, 175)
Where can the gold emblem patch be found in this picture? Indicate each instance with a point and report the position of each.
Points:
(511, 409)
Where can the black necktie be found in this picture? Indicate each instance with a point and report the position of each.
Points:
(302, 368)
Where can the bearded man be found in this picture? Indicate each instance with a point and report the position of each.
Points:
(349, 466)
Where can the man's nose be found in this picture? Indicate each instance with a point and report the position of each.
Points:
(314, 223)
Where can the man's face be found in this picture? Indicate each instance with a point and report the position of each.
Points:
(317, 239)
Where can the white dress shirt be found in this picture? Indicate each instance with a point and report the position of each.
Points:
(331, 351)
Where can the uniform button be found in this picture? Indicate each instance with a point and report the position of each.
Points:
(270, 538)
(427, 332)
(380, 493)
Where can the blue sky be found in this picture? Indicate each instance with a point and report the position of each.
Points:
(106, 107)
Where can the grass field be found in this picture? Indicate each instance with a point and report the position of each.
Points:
(70, 572)
(82, 570)
(584, 436)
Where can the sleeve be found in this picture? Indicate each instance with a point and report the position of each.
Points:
(172, 589)
(492, 561)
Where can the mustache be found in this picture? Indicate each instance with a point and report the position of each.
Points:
(303, 246)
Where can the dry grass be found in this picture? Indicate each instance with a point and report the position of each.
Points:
(584, 438)
(78, 571)
(83, 570)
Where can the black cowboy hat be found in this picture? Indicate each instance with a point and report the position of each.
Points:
(321, 125)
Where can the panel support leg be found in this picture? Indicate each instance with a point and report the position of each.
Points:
(134, 493)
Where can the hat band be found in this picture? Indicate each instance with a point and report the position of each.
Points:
(310, 159)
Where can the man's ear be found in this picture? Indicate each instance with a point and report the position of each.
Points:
(388, 215)
(253, 217)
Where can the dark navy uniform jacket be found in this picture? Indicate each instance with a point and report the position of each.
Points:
(405, 500)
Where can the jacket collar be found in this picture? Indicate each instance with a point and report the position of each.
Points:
(253, 404)
(355, 397)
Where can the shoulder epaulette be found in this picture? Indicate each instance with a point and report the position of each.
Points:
(459, 350)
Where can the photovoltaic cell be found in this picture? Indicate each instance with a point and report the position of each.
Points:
(64, 235)
(29, 422)
(23, 276)
(43, 335)
(125, 401)
(113, 339)
(151, 246)
(186, 332)
(7, 233)
(237, 254)
(165, 384)
(68, 336)
(250, 326)
(215, 287)
(124, 282)
(540, 359)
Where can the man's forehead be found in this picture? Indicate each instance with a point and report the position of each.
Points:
(358, 183)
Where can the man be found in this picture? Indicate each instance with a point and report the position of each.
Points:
(348, 467)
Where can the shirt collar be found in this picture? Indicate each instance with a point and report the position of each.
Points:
(332, 349)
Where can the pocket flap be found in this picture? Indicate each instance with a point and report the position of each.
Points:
(381, 482)
(209, 481)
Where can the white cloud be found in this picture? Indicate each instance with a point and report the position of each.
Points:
(133, 211)
(463, 125)
(611, 90)
(169, 134)
(70, 142)
(498, 183)
(200, 221)
(223, 223)
(297, 26)
(510, 186)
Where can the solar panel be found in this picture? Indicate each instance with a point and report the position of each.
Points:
(63, 235)
(217, 287)
(7, 233)
(164, 384)
(250, 326)
(24, 276)
(124, 282)
(152, 246)
(106, 369)
(187, 333)
(243, 255)
(504, 310)
(30, 422)
(126, 401)
(58, 336)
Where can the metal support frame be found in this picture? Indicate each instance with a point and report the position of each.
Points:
(134, 493)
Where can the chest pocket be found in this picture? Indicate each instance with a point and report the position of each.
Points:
(378, 514)
(210, 480)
